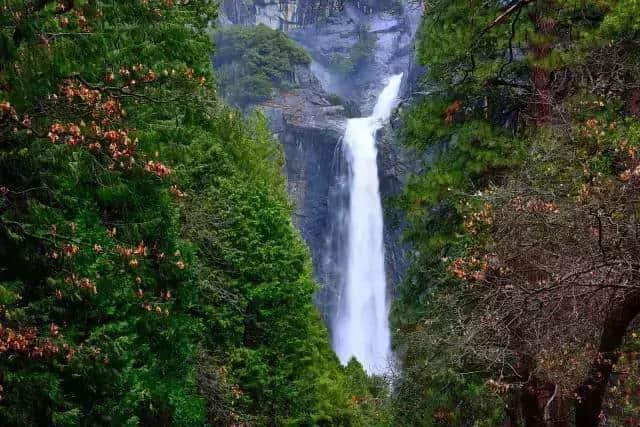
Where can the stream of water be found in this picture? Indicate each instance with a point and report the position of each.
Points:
(361, 325)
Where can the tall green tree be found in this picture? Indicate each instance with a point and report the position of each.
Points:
(517, 92)
(149, 270)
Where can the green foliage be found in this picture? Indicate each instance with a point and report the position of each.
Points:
(451, 399)
(456, 120)
(477, 151)
(482, 116)
(255, 62)
(266, 329)
(371, 396)
(165, 288)
(448, 42)
(112, 362)
(622, 402)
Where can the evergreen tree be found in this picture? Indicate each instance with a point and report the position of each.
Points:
(149, 270)
(525, 105)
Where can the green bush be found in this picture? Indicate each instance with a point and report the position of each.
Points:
(253, 63)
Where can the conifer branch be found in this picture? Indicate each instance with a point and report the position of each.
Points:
(507, 13)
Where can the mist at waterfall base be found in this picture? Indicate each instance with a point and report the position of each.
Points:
(361, 326)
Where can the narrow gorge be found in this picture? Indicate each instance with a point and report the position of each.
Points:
(360, 65)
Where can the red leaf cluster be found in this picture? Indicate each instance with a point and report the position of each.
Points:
(82, 282)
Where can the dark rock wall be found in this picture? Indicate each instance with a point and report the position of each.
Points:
(283, 15)
(317, 182)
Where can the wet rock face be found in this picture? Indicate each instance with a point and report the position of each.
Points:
(335, 37)
(314, 182)
(282, 15)
(395, 164)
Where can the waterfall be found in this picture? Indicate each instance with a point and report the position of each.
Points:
(361, 325)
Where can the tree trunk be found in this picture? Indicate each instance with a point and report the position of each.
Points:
(541, 48)
(542, 406)
(591, 392)
(634, 104)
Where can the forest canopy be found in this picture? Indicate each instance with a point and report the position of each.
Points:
(524, 283)
(149, 270)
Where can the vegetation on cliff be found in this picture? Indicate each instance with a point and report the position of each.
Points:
(359, 53)
(149, 270)
(524, 282)
(255, 62)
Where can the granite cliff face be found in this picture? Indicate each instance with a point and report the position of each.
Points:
(309, 120)
(332, 40)
(280, 15)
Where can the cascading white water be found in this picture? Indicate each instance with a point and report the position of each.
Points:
(361, 326)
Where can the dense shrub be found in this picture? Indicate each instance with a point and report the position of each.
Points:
(253, 63)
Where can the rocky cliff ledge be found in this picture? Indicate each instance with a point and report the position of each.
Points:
(282, 15)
